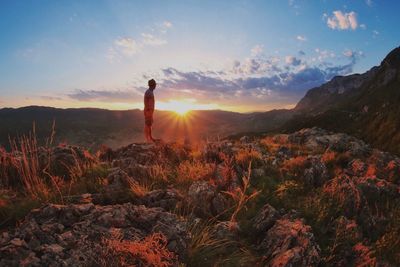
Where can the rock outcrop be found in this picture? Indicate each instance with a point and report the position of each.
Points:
(74, 235)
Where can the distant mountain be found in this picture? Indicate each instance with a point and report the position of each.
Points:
(365, 105)
(92, 127)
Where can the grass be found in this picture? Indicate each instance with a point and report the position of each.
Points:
(152, 251)
(245, 156)
(190, 171)
(330, 210)
(28, 168)
(241, 195)
(27, 172)
(207, 249)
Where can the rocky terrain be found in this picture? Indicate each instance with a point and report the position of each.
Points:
(310, 198)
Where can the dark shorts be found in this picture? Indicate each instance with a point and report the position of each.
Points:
(148, 121)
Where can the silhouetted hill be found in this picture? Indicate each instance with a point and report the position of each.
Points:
(92, 127)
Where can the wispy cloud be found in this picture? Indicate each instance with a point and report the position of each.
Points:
(51, 98)
(151, 40)
(167, 24)
(127, 45)
(369, 2)
(323, 54)
(301, 38)
(342, 21)
(105, 95)
(257, 50)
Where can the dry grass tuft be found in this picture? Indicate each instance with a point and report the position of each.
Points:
(287, 187)
(245, 156)
(344, 190)
(205, 247)
(25, 159)
(138, 189)
(241, 195)
(151, 251)
(190, 171)
(294, 166)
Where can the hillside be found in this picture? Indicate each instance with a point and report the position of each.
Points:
(93, 127)
(311, 198)
(364, 105)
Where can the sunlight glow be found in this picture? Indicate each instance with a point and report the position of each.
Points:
(183, 106)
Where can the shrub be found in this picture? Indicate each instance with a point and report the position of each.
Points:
(286, 188)
(345, 194)
(295, 166)
(388, 245)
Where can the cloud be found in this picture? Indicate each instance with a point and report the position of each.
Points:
(51, 98)
(127, 45)
(167, 24)
(352, 54)
(257, 50)
(151, 40)
(322, 55)
(105, 95)
(375, 33)
(301, 38)
(273, 85)
(292, 60)
(253, 66)
(369, 3)
(342, 21)
(261, 80)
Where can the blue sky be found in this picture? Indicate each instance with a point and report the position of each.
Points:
(233, 55)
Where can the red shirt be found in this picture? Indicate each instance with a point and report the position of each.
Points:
(149, 101)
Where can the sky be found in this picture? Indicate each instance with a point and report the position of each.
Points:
(233, 55)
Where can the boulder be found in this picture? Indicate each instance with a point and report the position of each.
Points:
(205, 201)
(163, 198)
(265, 219)
(290, 243)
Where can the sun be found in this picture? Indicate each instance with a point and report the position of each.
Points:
(183, 106)
(178, 106)
(181, 110)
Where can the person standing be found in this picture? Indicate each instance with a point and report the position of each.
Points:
(149, 104)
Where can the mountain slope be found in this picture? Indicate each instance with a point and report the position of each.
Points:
(365, 105)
